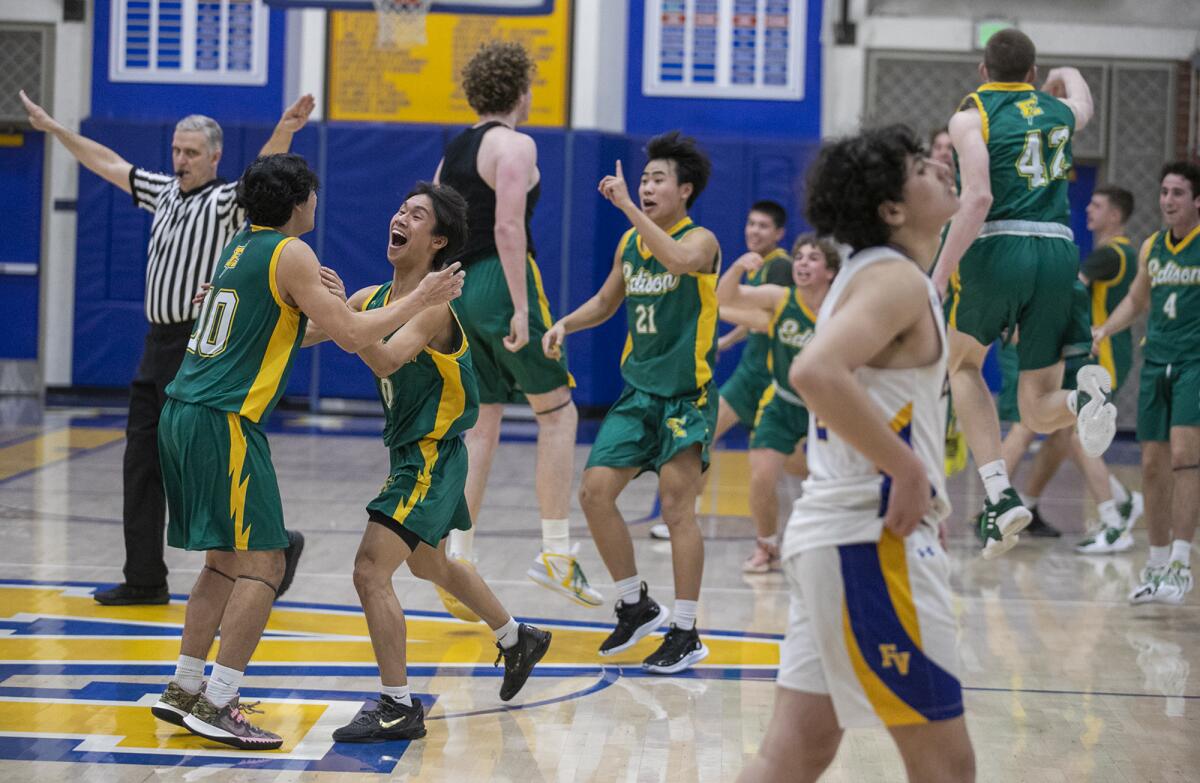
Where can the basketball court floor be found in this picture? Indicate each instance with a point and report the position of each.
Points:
(1063, 680)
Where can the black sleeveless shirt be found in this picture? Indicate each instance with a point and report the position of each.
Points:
(459, 171)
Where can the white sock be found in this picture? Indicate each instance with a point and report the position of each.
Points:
(189, 673)
(685, 614)
(222, 685)
(462, 544)
(1030, 501)
(1181, 552)
(397, 693)
(508, 633)
(1119, 493)
(556, 536)
(995, 479)
(1159, 556)
(629, 590)
(1109, 516)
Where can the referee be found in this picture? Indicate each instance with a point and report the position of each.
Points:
(195, 215)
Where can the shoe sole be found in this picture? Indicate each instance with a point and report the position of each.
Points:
(1139, 596)
(687, 662)
(538, 653)
(133, 602)
(641, 632)
(289, 571)
(659, 537)
(168, 714)
(1011, 523)
(993, 548)
(545, 581)
(375, 739)
(202, 729)
(1096, 422)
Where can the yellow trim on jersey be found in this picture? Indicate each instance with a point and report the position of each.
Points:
(624, 243)
(706, 325)
(371, 298)
(628, 349)
(778, 252)
(271, 275)
(279, 348)
(779, 308)
(767, 395)
(1006, 87)
(641, 248)
(902, 418)
(237, 485)
(1183, 243)
(955, 295)
(983, 115)
(254, 228)
(1100, 305)
(804, 308)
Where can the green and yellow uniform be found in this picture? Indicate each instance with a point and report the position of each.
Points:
(427, 404)
(1107, 290)
(1169, 392)
(751, 377)
(782, 420)
(1022, 266)
(667, 405)
(216, 464)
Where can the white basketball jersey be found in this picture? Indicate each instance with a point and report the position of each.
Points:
(845, 497)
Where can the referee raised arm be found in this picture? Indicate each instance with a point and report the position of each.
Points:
(195, 215)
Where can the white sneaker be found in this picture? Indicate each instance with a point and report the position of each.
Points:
(562, 573)
(1175, 585)
(1105, 541)
(660, 531)
(1096, 420)
(1145, 592)
(1131, 511)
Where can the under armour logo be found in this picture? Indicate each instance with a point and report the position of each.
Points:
(891, 658)
(925, 551)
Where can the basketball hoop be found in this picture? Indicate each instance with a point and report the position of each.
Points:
(401, 23)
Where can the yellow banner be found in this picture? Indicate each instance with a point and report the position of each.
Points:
(422, 84)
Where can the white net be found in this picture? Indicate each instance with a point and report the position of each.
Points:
(401, 23)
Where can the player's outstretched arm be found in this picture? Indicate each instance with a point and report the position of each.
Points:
(293, 119)
(314, 335)
(591, 313)
(732, 294)
(1136, 302)
(384, 358)
(94, 156)
(966, 131)
(298, 279)
(745, 318)
(874, 312)
(1069, 86)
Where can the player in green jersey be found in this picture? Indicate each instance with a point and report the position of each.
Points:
(665, 271)
(1168, 285)
(430, 396)
(787, 315)
(1019, 264)
(739, 396)
(221, 490)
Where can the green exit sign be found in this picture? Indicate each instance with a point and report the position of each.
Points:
(989, 27)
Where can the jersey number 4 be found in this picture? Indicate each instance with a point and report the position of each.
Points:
(215, 322)
(1031, 164)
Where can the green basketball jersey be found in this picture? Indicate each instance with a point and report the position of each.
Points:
(1116, 352)
(1028, 136)
(672, 344)
(754, 353)
(791, 329)
(433, 397)
(1173, 331)
(242, 347)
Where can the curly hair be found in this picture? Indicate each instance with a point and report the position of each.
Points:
(691, 164)
(852, 177)
(449, 217)
(497, 76)
(828, 248)
(272, 186)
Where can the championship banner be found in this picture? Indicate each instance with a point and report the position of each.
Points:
(422, 83)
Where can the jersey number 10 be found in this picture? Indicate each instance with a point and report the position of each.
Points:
(215, 322)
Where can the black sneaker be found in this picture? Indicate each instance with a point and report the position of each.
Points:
(390, 720)
(1040, 528)
(132, 595)
(291, 558)
(678, 651)
(520, 659)
(634, 622)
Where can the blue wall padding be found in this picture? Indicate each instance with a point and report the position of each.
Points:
(20, 243)
(154, 101)
(367, 169)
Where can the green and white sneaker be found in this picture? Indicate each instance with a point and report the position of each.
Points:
(1175, 585)
(175, 704)
(1131, 510)
(1106, 541)
(1095, 414)
(1151, 577)
(1001, 522)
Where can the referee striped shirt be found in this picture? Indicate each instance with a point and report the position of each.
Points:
(186, 238)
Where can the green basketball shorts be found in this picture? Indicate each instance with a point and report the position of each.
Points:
(219, 481)
(1168, 396)
(1006, 282)
(423, 493)
(645, 431)
(485, 310)
(742, 392)
(780, 425)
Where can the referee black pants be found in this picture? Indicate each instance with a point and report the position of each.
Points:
(145, 505)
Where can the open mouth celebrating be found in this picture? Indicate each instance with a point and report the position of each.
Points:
(398, 239)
